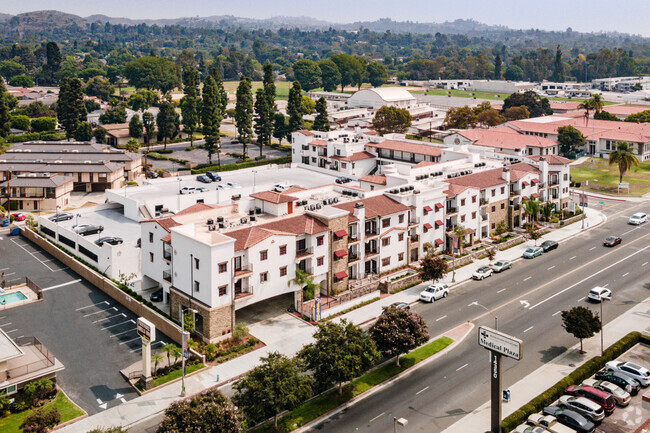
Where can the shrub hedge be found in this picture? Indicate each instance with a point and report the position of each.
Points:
(231, 167)
(576, 377)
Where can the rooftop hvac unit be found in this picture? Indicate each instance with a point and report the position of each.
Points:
(417, 191)
(354, 194)
(221, 225)
(411, 187)
(253, 218)
(210, 222)
(318, 206)
(336, 199)
(251, 212)
(243, 220)
(211, 228)
(402, 189)
(219, 219)
(258, 210)
(325, 202)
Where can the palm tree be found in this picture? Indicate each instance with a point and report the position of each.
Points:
(587, 106)
(624, 157)
(156, 358)
(176, 353)
(306, 281)
(547, 210)
(597, 103)
(460, 232)
(532, 209)
(169, 350)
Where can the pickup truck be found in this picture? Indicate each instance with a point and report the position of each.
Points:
(548, 422)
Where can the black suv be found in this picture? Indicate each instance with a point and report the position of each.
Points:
(113, 240)
(549, 245)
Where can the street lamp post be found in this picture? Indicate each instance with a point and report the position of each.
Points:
(584, 203)
(399, 421)
(496, 319)
(602, 328)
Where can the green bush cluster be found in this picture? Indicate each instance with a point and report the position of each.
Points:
(231, 167)
(35, 136)
(158, 156)
(576, 377)
(212, 351)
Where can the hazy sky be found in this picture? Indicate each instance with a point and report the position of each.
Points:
(629, 16)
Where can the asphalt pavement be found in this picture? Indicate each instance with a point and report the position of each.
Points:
(527, 300)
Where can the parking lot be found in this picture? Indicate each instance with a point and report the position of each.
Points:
(92, 335)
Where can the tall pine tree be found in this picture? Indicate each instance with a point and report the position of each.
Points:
(263, 119)
(53, 62)
(190, 102)
(168, 121)
(244, 112)
(211, 118)
(497, 67)
(558, 71)
(294, 109)
(5, 117)
(279, 126)
(320, 122)
(70, 108)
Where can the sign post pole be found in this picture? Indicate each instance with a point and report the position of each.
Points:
(495, 381)
(147, 332)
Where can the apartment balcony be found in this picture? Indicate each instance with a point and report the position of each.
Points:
(305, 147)
(304, 252)
(515, 193)
(374, 232)
(554, 182)
(243, 272)
(36, 362)
(483, 202)
(414, 221)
(167, 255)
(352, 257)
(322, 153)
(415, 238)
(484, 217)
(167, 276)
(353, 238)
(451, 210)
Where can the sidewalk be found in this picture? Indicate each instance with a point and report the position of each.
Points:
(635, 319)
(286, 334)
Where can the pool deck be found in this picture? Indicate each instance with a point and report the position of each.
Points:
(31, 296)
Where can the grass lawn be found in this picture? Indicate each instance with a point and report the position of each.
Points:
(281, 87)
(311, 410)
(176, 374)
(66, 408)
(604, 178)
(465, 93)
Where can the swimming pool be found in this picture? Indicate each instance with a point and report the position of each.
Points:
(10, 298)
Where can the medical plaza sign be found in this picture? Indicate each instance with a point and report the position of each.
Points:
(499, 342)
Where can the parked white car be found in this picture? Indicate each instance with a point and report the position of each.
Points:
(482, 273)
(549, 423)
(187, 190)
(635, 371)
(434, 292)
(501, 266)
(525, 428)
(585, 407)
(638, 218)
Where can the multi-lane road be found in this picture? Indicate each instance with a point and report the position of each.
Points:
(527, 300)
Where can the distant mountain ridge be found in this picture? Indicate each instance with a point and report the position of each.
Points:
(37, 20)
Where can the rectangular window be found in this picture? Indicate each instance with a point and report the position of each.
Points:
(344, 165)
(196, 286)
(264, 255)
(462, 202)
(320, 240)
(494, 208)
(462, 218)
(473, 215)
(473, 199)
(196, 263)
(320, 261)
(283, 250)
(283, 271)
(494, 192)
(503, 190)
(401, 218)
(503, 205)
(400, 237)
(223, 267)
(222, 290)
(494, 226)
(264, 277)
(385, 242)
(385, 223)
(150, 237)
(151, 257)
(385, 262)
(400, 257)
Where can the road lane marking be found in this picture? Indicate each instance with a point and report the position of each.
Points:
(500, 290)
(461, 367)
(606, 285)
(527, 278)
(422, 390)
(3, 269)
(61, 285)
(548, 269)
(592, 248)
(440, 318)
(8, 275)
(377, 416)
(88, 306)
(644, 264)
(573, 257)
(625, 274)
(581, 299)
(528, 329)
(9, 332)
(556, 313)
(623, 234)
(590, 276)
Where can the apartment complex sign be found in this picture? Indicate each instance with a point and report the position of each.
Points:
(500, 343)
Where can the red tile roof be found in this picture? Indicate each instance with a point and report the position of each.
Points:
(404, 146)
(318, 142)
(453, 190)
(169, 222)
(305, 132)
(503, 138)
(355, 156)
(551, 159)
(592, 129)
(292, 226)
(625, 110)
(489, 178)
(564, 105)
(199, 207)
(424, 164)
(273, 197)
(379, 179)
(375, 206)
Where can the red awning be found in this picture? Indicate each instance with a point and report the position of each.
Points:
(438, 223)
(341, 275)
(524, 183)
(428, 226)
(470, 231)
(340, 233)
(439, 206)
(525, 197)
(439, 242)
(535, 195)
(534, 181)
(340, 253)
(428, 209)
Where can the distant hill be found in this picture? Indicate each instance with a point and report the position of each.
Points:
(39, 20)
(5, 17)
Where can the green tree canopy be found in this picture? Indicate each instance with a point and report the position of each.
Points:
(571, 140)
(209, 412)
(641, 117)
(490, 118)
(132, 145)
(135, 126)
(516, 113)
(10, 69)
(350, 68)
(20, 121)
(21, 81)
(397, 331)
(606, 115)
(99, 87)
(70, 107)
(263, 118)
(535, 104)
(168, 121)
(211, 117)
(113, 115)
(244, 112)
(308, 74)
(433, 267)
(321, 122)
(190, 102)
(330, 75)
(43, 124)
(390, 119)
(84, 131)
(340, 352)
(460, 118)
(580, 322)
(272, 387)
(280, 127)
(513, 73)
(142, 99)
(377, 74)
(153, 73)
(294, 107)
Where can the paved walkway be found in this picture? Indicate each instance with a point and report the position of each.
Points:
(286, 334)
(637, 318)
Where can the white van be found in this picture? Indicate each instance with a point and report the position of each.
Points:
(638, 218)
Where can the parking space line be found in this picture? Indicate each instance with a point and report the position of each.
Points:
(88, 306)
(61, 285)
(527, 278)
(125, 332)
(571, 258)
(109, 317)
(9, 332)
(100, 311)
(118, 324)
(34, 256)
(592, 248)
(422, 390)
(581, 299)
(499, 291)
(378, 416)
(8, 323)
(3, 269)
(128, 341)
(625, 274)
(644, 264)
(8, 275)
(550, 268)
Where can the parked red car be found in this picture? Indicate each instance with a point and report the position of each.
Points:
(602, 398)
(19, 216)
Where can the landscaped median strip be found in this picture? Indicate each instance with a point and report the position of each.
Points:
(323, 404)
